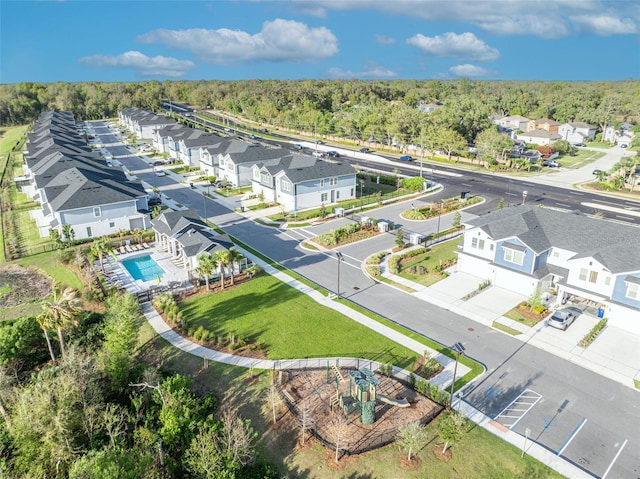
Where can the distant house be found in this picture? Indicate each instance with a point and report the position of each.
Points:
(185, 236)
(539, 137)
(527, 248)
(163, 138)
(543, 124)
(143, 123)
(190, 146)
(235, 160)
(75, 186)
(513, 123)
(621, 136)
(429, 107)
(577, 132)
(300, 182)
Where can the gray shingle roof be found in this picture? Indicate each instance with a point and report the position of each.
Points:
(615, 245)
(171, 223)
(300, 170)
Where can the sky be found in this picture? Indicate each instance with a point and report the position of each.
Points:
(73, 41)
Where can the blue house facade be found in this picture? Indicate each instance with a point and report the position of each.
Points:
(527, 248)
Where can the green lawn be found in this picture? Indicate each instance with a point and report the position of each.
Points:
(581, 158)
(50, 264)
(429, 260)
(289, 324)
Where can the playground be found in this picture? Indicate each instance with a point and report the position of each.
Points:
(375, 406)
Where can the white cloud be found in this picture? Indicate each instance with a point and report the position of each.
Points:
(142, 64)
(546, 19)
(384, 40)
(464, 45)
(605, 25)
(371, 70)
(279, 41)
(468, 70)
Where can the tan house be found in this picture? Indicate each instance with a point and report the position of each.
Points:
(543, 124)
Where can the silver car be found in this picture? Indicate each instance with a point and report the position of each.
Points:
(562, 318)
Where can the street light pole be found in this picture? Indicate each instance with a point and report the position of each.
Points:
(439, 216)
(458, 348)
(204, 202)
(361, 194)
(340, 260)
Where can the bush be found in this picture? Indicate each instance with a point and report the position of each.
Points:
(374, 270)
(394, 264)
(593, 334)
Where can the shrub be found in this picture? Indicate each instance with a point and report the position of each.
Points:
(593, 334)
(373, 270)
(394, 264)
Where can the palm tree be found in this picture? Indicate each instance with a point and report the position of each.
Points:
(234, 258)
(99, 248)
(222, 258)
(45, 323)
(206, 266)
(59, 312)
(138, 234)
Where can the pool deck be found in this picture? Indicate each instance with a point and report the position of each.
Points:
(117, 274)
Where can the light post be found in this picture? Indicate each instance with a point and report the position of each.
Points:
(204, 202)
(458, 348)
(439, 216)
(340, 260)
(361, 194)
(524, 196)
(527, 432)
(509, 193)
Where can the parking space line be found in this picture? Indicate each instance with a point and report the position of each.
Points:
(571, 436)
(519, 407)
(614, 459)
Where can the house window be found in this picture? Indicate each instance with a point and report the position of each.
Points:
(477, 243)
(256, 174)
(323, 197)
(351, 192)
(633, 291)
(112, 224)
(556, 254)
(285, 185)
(337, 194)
(607, 280)
(322, 183)
(96, 211)
(586, 275)
(89, 232)
(512, 256)
(333, 181)
(264, 178)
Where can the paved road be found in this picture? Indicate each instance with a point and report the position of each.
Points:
(586, 418)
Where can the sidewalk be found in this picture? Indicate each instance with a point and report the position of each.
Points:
(614, 354)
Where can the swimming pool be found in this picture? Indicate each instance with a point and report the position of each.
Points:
(143, 268)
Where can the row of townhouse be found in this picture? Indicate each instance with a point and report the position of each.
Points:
(75, 186)
(545, 131)
(527, 249)
(295, 181)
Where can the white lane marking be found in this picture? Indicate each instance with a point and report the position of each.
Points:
(625, 217)
(614, 459)
(576, 193)
(607, 202)
(466, 184)
(610, 208)
(527, 398)
(564, 204)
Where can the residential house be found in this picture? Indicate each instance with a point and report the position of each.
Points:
(513, 123)
(539, 137)
(209, 156)
(143, 123)
(577, 132)
(163, 138)
(621, 136)
(543, 124)
(235, 160)
(300, 182)
(527, 249)
(185, 236)
(429, 107)
(74, 185)
(190, 146)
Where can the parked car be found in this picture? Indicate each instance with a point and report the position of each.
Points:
(154, 202)
(333, 154)
(406, 158)
(551, 163)
(298, 146)
(597, 171)
(157, 163)
(623, 145)
(160, 173)
(562, 318)
(319, 142)
(318, 154)
(365, 150)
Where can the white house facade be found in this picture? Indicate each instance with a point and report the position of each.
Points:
(577, 132)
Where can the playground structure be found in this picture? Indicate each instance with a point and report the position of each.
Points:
(363, 393)
(374, 407)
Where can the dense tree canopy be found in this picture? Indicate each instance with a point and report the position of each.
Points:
(353, 109)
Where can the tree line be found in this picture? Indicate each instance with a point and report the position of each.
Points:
(351, 108)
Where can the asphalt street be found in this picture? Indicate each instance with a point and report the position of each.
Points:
(588, 419)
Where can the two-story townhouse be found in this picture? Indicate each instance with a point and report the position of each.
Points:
(300, 182)
(538, 137)
(162, 137)
(543, 124)
(577, 132)
(236, 161)
(189, 148)
(209, 156)
(528, 248)
(75, 188)
(513, 123)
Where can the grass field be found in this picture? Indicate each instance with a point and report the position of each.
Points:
(581, 158)
(289, 324)
(479, 454)
(429, 260)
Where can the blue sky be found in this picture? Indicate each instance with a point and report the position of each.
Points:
(48, 41)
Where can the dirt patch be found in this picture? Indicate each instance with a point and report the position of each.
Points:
(407, 464)
(443, 456)
(526, 312)
(19, 285)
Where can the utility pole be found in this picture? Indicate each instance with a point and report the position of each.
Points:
(458, 348)
(340, 260)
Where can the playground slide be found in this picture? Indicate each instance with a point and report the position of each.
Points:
(394, 402)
